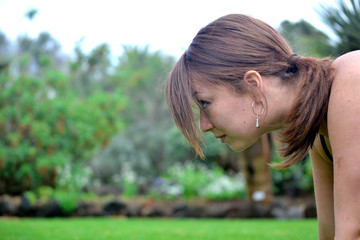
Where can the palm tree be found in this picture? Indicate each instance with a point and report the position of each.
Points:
(344, 20)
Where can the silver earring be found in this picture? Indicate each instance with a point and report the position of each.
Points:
(257, 114)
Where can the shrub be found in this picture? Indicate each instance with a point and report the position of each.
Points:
(46, 127)
(191, 180)
(295, 179)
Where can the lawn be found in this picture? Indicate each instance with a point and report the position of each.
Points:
(159, 229)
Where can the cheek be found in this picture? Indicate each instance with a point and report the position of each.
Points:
(244, 112)
(240, 117)
(235, 122)
(232, 116)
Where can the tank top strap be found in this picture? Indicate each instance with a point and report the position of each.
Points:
(326, 150)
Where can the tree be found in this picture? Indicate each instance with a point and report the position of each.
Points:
(141, 75)
(306, 40)
(35, 55)
(91, 71)
(31, 13)
(344, 20)
(142, 147)
(4, 51)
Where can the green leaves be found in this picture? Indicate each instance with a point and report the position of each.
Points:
(45, 124)
(344, 20)
(305, 40)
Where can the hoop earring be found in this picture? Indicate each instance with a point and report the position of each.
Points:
(257, 114)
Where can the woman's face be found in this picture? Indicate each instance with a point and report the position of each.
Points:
(227, 114)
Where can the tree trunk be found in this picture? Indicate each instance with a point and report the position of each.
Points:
(254, 165)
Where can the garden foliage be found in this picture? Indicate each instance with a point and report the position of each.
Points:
(88, 121)
(48, 129)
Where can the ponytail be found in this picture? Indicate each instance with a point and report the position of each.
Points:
(310, 108)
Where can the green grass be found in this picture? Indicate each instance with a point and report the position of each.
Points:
(158, 229)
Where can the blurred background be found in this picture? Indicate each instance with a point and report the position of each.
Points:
(84, 125)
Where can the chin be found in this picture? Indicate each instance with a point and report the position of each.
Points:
(241, 146)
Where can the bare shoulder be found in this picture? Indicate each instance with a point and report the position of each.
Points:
(344, 102)
(346, 75)
(347, 64)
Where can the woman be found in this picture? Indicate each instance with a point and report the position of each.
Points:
(246, 82)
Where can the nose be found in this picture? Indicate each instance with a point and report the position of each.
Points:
(205, 123)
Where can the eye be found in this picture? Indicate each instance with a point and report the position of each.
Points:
(203, 103)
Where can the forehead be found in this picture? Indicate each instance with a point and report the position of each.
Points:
(199, 80)
(204, 88)
(201, 87)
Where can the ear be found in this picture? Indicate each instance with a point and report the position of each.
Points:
(254, 79)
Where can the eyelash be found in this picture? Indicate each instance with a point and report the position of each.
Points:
(203, 103)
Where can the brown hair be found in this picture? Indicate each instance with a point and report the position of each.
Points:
(223, 51)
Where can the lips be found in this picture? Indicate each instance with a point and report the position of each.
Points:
(221, 137)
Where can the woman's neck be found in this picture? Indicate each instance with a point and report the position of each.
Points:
(280, 98)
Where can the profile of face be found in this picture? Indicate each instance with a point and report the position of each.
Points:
(227, 114)
(250, 56)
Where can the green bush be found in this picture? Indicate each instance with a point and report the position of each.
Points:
(45, 127)
(293, 180)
